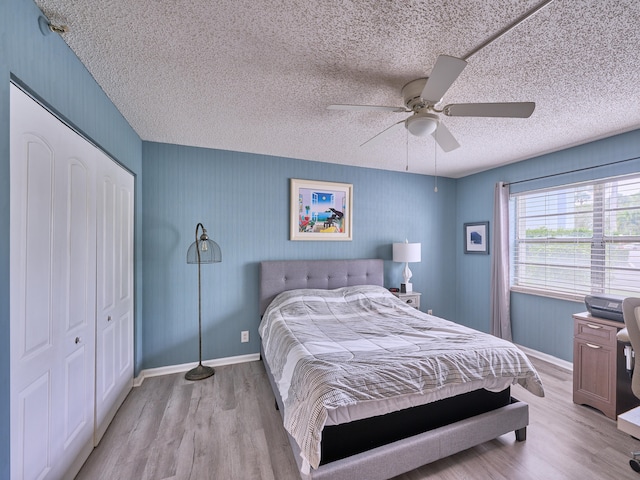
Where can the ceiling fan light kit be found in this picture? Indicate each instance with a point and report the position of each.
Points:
(422, 124)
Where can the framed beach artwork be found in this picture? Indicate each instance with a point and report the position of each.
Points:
(321, 210)
(476, 237)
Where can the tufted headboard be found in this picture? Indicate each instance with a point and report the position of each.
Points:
(282, 275)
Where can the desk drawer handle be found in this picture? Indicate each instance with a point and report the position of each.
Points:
(595, 327)
(591, 345)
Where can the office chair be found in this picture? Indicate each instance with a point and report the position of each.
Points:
(631, 314)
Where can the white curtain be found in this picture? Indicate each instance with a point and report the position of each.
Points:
(500, 301)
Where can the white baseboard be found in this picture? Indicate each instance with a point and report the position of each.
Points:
(547, 358)
(169, 369)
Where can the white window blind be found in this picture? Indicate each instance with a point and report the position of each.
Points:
(578, 239)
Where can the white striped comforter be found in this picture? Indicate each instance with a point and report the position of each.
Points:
(332, 348)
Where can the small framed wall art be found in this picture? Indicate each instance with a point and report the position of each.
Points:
(321, 210)
(476, 237)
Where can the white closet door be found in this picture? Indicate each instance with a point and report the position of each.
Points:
(52, 299)
(114, 319)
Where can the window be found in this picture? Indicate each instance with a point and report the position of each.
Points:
(578, 239)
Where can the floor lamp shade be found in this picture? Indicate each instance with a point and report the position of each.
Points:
(408, 253)
(203, 250)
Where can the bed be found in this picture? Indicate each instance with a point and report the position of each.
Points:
(320, 321)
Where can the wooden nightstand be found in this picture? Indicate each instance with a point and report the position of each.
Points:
(411, 298)
(600, 379)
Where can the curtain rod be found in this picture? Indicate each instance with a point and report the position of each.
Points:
(572, 171)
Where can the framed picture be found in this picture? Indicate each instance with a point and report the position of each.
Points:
(321, 210)
(476, 237)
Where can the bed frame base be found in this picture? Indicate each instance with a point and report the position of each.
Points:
(405, 455)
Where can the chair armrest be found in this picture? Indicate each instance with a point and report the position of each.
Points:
(623, 336)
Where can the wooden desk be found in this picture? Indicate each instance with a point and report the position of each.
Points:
(600, 379)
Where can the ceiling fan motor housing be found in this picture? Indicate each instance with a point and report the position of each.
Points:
(411, 93)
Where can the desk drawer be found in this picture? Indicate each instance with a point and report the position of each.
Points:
(595, 332)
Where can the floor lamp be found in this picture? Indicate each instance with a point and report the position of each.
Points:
(203, 250)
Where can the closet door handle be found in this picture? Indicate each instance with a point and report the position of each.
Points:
(595, 327)
(78, 340)
(591, 345)
(109, 318)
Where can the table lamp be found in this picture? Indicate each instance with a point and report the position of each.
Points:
(408, 253)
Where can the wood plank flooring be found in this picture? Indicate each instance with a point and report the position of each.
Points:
(226, 427)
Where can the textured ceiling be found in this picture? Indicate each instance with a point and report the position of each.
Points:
(257, 75)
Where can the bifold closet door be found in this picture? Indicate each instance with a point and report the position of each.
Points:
(114, 310)
(71, 295)
(52, 299)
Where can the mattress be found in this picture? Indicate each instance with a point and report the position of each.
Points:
(343, 354)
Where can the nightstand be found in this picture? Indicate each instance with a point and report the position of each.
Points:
(411, 298)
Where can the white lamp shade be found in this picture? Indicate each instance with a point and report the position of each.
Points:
(407, 252)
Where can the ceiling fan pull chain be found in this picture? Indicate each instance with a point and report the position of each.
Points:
(407, 149)
(435, 161)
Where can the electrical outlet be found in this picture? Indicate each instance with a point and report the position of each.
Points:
(244, 336)
(430, 312)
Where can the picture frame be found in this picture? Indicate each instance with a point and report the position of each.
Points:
(321, 210)
(476, 238)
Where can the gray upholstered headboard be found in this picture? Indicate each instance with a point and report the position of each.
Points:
(279, 276)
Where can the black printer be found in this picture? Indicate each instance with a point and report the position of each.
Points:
(605, 306)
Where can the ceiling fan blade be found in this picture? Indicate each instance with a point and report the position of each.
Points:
(377, 135)
(445, 138)
(381, 108)
(510, 110)
(444, 73)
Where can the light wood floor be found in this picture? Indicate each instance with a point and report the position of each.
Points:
(226, 428)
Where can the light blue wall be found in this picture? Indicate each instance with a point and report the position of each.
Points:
(243, 201)
(540, 323)
(50, 70)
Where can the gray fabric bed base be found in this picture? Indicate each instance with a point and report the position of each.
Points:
(410, 453)
(405, 455)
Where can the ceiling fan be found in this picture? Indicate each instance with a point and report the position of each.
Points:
(423, 94)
